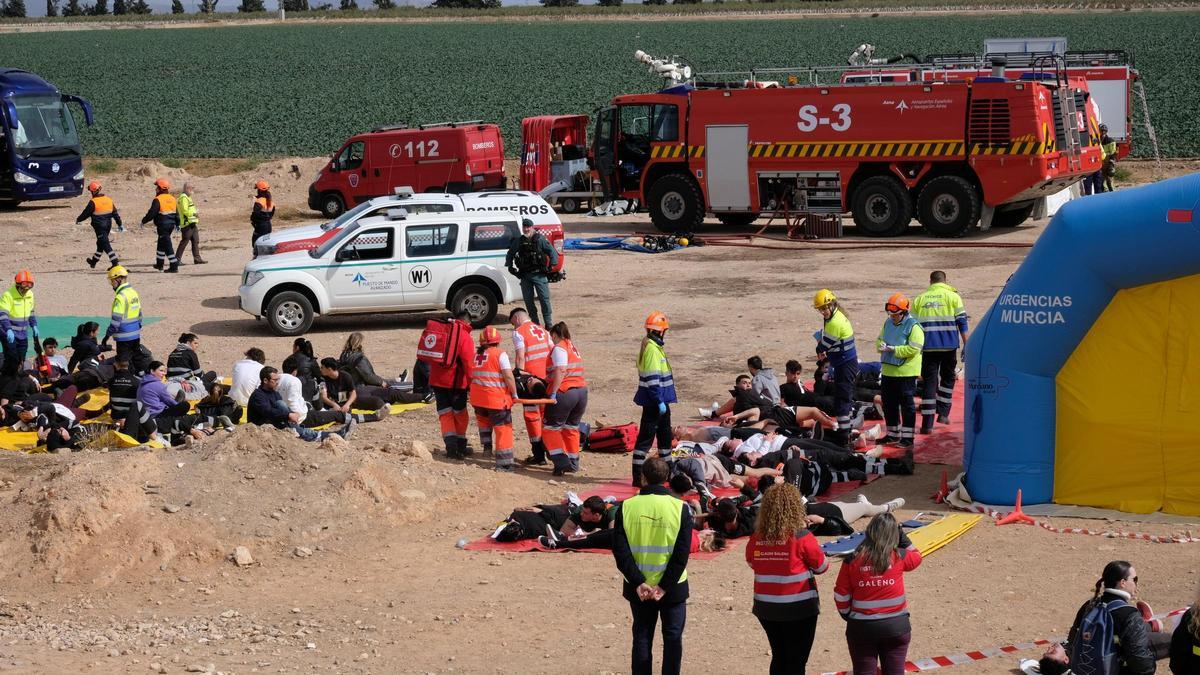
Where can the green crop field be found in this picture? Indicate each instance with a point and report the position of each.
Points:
(302, 89)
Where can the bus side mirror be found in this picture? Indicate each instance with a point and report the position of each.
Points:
(88, 116)
(10, 109)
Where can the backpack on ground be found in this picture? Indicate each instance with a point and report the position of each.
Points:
(619, 438)
(1094, 650)
(439, 342)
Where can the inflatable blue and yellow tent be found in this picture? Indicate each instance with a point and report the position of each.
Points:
(1083, 379)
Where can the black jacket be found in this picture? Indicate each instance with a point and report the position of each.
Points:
(306, 366)
(122, 392)
(1185, 647)
(675, 591)
(82, 349)
(264, 408)
(183, 363)
(359, 367)
(1130, 629)
(226, 407)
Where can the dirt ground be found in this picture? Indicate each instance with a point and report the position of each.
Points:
(119, 561)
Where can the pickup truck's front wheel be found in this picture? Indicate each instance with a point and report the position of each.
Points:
(290, 314)
(478, 301)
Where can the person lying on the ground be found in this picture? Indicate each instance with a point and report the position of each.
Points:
(291, 388)
(339, 393)
(702, 540)
(558, 520)
(55, 424)
(793, 392)
(354, 360)
(742, 397)
(218, 410)
(713, 433)
(836, 519)
(799, 417)
(763, 380)
(268, 407)
(729, 519)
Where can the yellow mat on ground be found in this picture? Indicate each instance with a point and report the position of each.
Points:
(942, 531)
(116, 439)
(17, 441)
(98, 398)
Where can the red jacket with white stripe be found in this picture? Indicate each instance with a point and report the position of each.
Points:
(784, 587)
(861, 595)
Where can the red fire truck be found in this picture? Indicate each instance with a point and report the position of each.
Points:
(953, 154)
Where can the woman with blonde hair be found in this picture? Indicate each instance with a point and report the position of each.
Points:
(869, 594)
(784, 556)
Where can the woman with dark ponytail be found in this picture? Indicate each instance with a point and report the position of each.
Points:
(1115, 594)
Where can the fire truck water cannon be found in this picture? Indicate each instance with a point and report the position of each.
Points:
(864, 55)
(670, 69)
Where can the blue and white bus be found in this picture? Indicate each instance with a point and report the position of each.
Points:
(40, 155)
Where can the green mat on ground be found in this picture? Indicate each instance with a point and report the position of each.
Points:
(62, 328)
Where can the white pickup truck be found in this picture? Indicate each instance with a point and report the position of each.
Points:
(389, 261)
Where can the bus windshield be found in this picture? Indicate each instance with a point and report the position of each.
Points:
(44, 126)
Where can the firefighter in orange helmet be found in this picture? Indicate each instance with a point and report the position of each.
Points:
(655, 393)
(163, 211)
(103, 213)
(493, 389)
(261, 214)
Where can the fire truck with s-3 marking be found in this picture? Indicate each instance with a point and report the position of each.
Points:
(955, 155)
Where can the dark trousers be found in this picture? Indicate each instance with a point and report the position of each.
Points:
(653, 426)
(645, 617)
(189, 235)
(899, 410)
(132, 351)
(844, 377)
(104, 246)
(256, 234)
(791, 642)
(319, 418)
(536, 285)
(937, 383)
(885, 656)
(14, 356)
(164, 252)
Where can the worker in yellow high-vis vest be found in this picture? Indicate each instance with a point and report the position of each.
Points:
(652, 535)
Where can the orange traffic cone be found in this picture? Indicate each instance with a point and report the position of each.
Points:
(939, 497)
(1016, 515)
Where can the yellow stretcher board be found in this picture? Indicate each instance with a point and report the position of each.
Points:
(942, 531)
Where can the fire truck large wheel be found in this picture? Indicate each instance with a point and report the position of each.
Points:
(881, 207)
(737, 219)
(949, 206)
(1012, 217)
(676, 204)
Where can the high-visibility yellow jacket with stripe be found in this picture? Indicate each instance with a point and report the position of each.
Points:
(656, 384)
(651, 524)
(837, 339)
(126, 323)
(940, 312)
(16, 313)
(186, 209)
(906, 341)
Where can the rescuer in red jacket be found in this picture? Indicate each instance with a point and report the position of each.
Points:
(450, 385)
(784, 556)
(869, 594)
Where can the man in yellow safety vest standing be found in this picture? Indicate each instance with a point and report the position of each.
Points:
(943, 320)
(17, 321)
(652, 535)
(126, 321)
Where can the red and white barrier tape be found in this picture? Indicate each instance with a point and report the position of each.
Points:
(1140, 536)
(936, 662)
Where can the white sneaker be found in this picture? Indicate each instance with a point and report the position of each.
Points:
(705, 413)
(873, 432)
(875, 452)
(573, 498)
(895, 504)
(862, 499)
